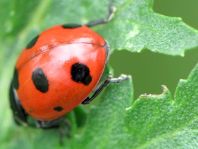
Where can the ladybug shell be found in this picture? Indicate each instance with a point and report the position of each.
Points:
(58, 70)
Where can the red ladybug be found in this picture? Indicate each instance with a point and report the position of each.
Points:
(57, 71)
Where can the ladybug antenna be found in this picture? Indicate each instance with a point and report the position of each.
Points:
(108, 18)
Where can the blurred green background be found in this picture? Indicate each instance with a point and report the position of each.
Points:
(151, 70)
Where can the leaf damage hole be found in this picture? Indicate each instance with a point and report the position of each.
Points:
(151, 70)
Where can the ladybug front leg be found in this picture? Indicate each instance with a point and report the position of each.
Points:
(103, 85)
(105, 20)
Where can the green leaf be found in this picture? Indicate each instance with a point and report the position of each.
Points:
(136, 26)
(164, 121)
(152, 121)
(106, 126)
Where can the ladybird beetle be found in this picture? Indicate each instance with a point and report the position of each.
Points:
(57, 71)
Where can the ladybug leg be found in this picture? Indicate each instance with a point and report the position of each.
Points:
(96, 93)
(105, 20)
(111, 11)
(64, 130)
(50, 124)
(20, 117)
(62, 124)
(110, 79)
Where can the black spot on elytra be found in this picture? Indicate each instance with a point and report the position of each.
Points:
(71, 25)
(32, 42)
(80, 73)
(40, 80)
(15, 80)
(58, 108)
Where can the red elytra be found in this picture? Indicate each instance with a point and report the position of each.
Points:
(55, 51)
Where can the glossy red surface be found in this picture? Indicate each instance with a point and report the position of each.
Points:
(55, 51)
